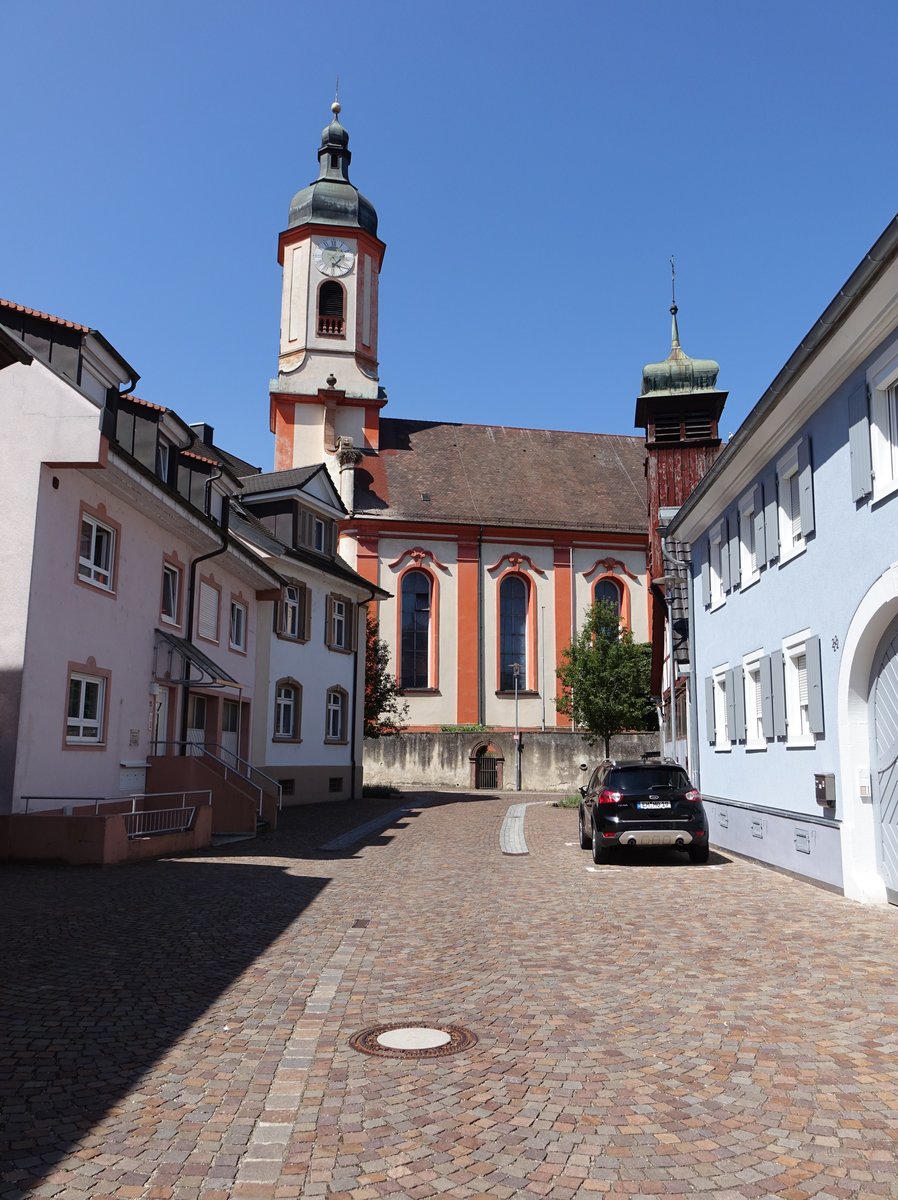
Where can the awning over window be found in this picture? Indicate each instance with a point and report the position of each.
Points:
(170, 648)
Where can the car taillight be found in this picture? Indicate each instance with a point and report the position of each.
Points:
(693, 795)
(608, 797)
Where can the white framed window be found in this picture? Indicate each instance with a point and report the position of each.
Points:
(287, 708)
(86, 706)
(882, 380)
(796, 685)
(755, 738)
(721, 724)
(335, 718)
(339, 634)
(96, 554)
(238, 626)
(717, 548)
(749, 571)
(294, 612)
(171, 593)
(207, 617)
(795, 500)
(163, 459)
(319, 534)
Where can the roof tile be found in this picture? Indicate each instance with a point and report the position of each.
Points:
(498, 475)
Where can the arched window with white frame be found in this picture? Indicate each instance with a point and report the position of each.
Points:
(513, 605)
(415, 630)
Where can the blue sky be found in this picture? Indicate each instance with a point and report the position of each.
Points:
(533, 166)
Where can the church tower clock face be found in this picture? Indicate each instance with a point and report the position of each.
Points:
(332, 256)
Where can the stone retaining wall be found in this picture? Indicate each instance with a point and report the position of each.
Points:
(550, 762)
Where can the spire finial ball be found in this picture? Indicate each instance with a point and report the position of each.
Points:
(335, 107)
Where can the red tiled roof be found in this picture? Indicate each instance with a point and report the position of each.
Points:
(144, 403)
(35, 312)
(496, 475)
(200, 458)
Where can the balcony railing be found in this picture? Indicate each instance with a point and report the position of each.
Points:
(330, 327)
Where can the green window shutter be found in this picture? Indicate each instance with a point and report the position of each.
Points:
(758, 518)
(734, 556)
(709, 709)
(779, 693)
(766, 697)
(706, 573)
(805, 487)
(771, 520)
(815, 684)
(731, 705)
(724, 551)
(859, 443)
(737, 733)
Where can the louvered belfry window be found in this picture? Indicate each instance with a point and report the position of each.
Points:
(330, 309)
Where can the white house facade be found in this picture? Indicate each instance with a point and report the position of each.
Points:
(794, 575)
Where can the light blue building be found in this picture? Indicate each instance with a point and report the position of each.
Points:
(793, 570)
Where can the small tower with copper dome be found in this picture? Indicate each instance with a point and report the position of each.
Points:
(679, 408)
(327, 394)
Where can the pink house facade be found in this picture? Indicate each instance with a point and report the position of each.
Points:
(137, 625)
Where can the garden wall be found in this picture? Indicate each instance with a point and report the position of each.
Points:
(550, 762)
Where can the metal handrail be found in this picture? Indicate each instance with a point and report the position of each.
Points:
(96, 801)
(275, 785)
(201, 749)
(159, 820)
(66, 801)
(251, 769)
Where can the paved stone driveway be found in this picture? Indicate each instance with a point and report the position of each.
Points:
(180, 1029)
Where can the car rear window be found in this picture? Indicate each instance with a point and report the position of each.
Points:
(636, 780)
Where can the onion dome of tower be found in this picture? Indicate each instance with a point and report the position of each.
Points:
(679, 372)
(331, 199)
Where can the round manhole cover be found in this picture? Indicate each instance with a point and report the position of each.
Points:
(413, 1041)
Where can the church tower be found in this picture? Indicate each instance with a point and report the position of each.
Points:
(679, 408)
(326, 399)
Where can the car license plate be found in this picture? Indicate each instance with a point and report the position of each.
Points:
(653, 804)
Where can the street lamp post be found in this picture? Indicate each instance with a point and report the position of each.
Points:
(516, 672)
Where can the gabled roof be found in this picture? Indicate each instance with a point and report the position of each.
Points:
(276, 481)
(338, 568)
(433, 471)
(296, 479)
(11, 306)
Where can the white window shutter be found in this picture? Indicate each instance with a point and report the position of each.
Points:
(207, 618)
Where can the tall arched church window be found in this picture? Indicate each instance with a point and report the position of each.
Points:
(415, 649)
(512, 632)
(330, 309)
(607, 589)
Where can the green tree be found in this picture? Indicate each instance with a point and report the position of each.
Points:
(606, 677)
(385, 713)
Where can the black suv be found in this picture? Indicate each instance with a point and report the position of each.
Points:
(642, 804)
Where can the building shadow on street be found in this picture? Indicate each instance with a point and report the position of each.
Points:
(104, 970)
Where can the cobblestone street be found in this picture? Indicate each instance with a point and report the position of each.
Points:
(180, 1030)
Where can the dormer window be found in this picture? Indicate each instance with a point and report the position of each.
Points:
(163, 459)
(330, 309)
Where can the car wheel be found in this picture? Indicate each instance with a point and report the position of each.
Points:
(585, 839)
(600, 852)
(699, 854)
